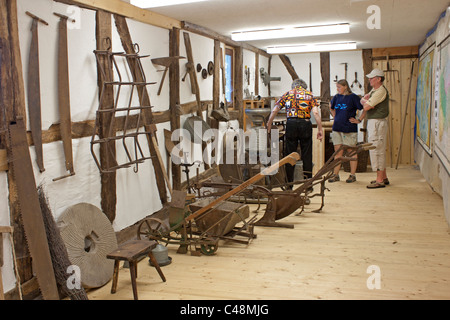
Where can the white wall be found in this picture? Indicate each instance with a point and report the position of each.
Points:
(85, 185)
(301, 62)
(137, 194)
(337, 68)
(8, 267)
(263, 63)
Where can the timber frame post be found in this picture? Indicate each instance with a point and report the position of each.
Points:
(108, 180)
(12, 106)
(175, 112)
(325, 91)
(239, 84)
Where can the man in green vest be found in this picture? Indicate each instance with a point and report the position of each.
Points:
(376, 109)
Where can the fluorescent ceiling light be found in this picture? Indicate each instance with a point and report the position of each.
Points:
(160, 3)
(291, 32)
(312, 48)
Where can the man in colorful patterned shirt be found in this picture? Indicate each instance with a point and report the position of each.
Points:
(299, 104)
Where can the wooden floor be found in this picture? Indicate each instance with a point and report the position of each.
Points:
(401, 229)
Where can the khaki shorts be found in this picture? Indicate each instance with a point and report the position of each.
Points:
(377, 130)
(347, 138)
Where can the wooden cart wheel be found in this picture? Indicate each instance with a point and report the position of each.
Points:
(152, 229)
(209, 249)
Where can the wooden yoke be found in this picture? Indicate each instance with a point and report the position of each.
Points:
(291, 159)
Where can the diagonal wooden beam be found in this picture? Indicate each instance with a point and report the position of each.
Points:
(290, 68)
(144, 98)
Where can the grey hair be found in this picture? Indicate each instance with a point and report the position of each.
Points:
(299, 82)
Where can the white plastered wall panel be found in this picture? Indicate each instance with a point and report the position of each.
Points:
(354, 64)
(138, 189)
(263, 63)
(137, 192)
(8, 267)
(300, 62)
(152, 41)
(82, 64)
(249, 78)
(85, 185)
(203, 53)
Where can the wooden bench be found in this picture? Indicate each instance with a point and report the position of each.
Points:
(131, 251)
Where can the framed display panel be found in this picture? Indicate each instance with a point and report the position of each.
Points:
(424, 99)
(442, 139)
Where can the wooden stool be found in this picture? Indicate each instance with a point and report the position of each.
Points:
(131, 251)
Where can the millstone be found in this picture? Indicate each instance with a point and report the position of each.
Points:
(89, 237)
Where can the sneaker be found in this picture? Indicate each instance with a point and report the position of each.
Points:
(334, 178)
(351, 178)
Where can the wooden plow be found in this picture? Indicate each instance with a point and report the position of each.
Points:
(202, 224)
(281, 204)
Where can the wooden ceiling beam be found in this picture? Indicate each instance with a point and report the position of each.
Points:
(127, 10)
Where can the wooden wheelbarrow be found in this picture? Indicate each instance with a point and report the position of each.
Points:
(202, 224)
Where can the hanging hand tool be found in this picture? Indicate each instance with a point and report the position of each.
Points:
(406, 112)
(189, 68)
(64, 96)
(356, 81)
(30, 210)
(346, 69)
(158, 155)
(165, 62)
(34, 91)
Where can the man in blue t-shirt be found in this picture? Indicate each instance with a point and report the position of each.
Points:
(344, 106)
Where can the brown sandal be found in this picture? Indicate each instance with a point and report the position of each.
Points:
(385, 181)
(376, 185)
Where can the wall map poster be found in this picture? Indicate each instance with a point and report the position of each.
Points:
(442, 141)
(424, 98)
